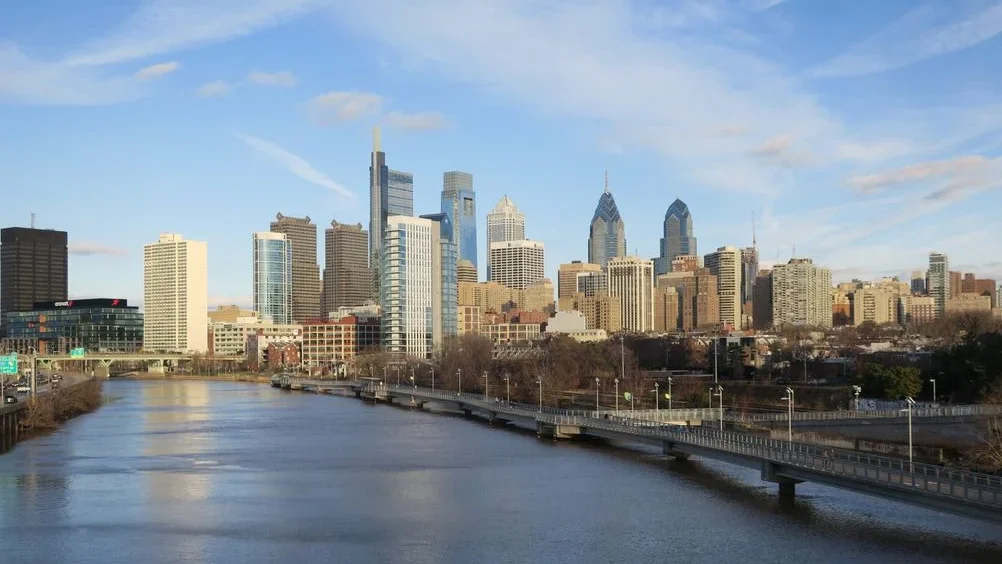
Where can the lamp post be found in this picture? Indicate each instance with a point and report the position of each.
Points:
(710, 398)
(485, 385)
(433, 378)
(856, 391)
(540, 382)
(911, 464)
(715, 341)
(622, 357)
(933, 381)
(720, 399)
(596, 396)
(398, 375)
(669, 397)
(34, 373)
(657, 401)
(413, 382)
(507, 388)
(459, 380)
(617, 396)
(385, 377)
(789, 413)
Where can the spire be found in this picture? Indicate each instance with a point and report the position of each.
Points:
(375, 139)
(754, 244)
(606, 181)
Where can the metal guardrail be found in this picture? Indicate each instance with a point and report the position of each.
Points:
(897, 473)
(945, 411)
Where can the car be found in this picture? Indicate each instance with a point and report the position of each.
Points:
(23, 388)
(56, 377)
(9, 399)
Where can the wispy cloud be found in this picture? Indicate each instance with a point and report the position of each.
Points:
(336, 107)
(917, 172)
(214, 89)
(422, 121)
(157, 70)
(280, 78)
(296, 164)
(88, 249)
(24, 80)
(929, 30)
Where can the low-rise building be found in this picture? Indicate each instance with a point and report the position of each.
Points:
(230, 338)
(260, 338)
(469, 320)
(575, 325)
(968, 302)
(328, 344)
(98, 325)
(503, 333)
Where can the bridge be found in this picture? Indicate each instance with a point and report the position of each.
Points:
(155, 362)
(681, 435)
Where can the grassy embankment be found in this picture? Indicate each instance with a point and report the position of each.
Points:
(49, 411)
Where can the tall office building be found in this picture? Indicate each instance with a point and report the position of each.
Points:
(762, 301)
(33, 268)
(567, 276)
(175, 295)
(918, 282)
(801, 294)
(726, 264)
(347, 276)
(632, 280)
(301, 233)
(749, 270)
(677, 238)
(939, 281)
(391, 192)
(516, 264)
(504, 223)
(606, 234)
(272, 264)
(446, 267)
(459, 202)
(412, 286)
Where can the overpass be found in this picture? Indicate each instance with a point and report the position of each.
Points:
(785, 463)
(155, 362)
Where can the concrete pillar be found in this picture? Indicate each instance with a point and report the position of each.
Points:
(787, 490)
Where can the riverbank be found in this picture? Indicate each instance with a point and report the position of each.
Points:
(48, 411)
(232, 377)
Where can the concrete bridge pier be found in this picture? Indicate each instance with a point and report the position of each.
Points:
(467, 412)
(9, 430)
(787, 486)
(668, 449)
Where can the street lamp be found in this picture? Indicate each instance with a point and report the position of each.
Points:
(933, 380)
(413, 382)
(433, 378)
(507, 388)
(596, 396)
(856, 391)
(617, 396)
(789, 412)
(398, 375)
(459, 380)
(34, 373)
(622, 357)
(720, 399)
(485, 385)
(911, 465)
(540, 382)
(657, 401)
(715, 341)
(669, 397)
(385, 370)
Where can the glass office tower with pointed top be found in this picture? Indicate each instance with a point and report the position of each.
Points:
(607, 234)
(391, 192)
(678, 237)
(504, 223)
(459, 203)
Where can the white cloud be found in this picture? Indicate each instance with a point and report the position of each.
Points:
(927, 31)
(337, 107)
(214, 89)
(421, 121)
(296, 164)
(157, 70)
(280, 78)
(87, 249)
(918, 172)
(24, 80)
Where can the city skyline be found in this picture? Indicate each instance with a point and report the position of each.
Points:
(864, 176)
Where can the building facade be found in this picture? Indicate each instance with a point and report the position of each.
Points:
(516, 264)
(677, 238)
(175, 295)
(606, 233)
(391, 192)
(230, 338)
(727, 265)
(301, 234)
(327, 343)
(272, 273)
(939, 281)
(567, 276)
(459, 202)
(33, 268)
(632, 280)
(347, 276)
(98, 325)
(801, 294)
(504, 223)
(762, 300)
(749, 270)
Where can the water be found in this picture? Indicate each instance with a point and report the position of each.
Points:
(193, 472)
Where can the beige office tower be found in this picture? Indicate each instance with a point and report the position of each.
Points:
(567, 276)
(175, 295)
(466, 271)
(516, 264)
(632, 279)
(725, 263)
(539, 296)
(504, 223)
(302, 234)
(347, 276)
(801, 294)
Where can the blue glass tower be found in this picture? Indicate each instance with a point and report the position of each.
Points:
(459, 203)
(678, 239)
(273, 277)
(607, 234)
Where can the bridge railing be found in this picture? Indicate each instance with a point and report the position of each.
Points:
(943, 411)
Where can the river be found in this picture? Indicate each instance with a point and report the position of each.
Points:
(216, 472)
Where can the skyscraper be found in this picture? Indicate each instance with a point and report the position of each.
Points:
(801, 294)
(504, 223)
(301, 235)
(459, 202)
(516, 264)
(678, 238)
(413, 286)
(749, 270)
(726, 264)
(272, 264)
(175, 295)
(606, 234)
(632, 280)
(347, 276)
(446, 266)
(939, 281)
(391, 192)
(568, 274)
(33, 268)
(918, 282)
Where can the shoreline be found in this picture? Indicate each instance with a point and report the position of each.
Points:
(236, 377)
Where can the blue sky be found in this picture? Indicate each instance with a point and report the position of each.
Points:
(864, 133)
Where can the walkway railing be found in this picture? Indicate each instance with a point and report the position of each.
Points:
(944, 411)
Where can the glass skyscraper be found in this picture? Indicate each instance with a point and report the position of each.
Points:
(606, 235)
(678, 239)
(273, 277)
(391, 192)
(459, 203)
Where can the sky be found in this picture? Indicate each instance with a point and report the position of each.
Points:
(861, 134)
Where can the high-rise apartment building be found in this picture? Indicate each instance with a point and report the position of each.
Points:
(301, 233)
(939, 281)
(685, 263)
(632, 280)
(412, 286)
(459, 202)
(874, 305)
(956, 283)
(918, 282)
(272, 273)
(801, 294)
(539, 296)
(762, 300)
(347, 276)
(749, 270)
(175, 295)
(666, 314)
(33, 268)
(516, 264)
(678, 238)
(445, 264)
(391, 192)
(601, 312)
(567, 276)
(726, 264)
(606, 234)
(504, 223)
(699, 304)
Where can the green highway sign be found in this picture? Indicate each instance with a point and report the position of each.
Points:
(8, 364)
(78, 352)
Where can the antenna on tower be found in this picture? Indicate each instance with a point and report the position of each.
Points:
(753, 242)
(606, 181)
(375, 139)
(32, 220)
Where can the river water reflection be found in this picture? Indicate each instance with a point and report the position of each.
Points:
(212, 472)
